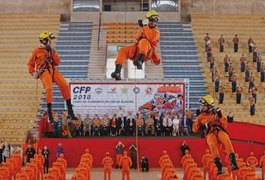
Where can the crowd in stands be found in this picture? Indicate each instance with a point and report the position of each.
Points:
(119, 125)
(230, 69)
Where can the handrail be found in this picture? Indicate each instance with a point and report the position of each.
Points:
(99, 28)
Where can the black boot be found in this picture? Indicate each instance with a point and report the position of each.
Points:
(139, 62)
(117, 73)
(219, 165)
(50, 117)
(233, 162)
(70, 110)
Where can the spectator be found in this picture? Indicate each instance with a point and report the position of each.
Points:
(251, 81)
(176, 124)
(30, 152)
(96, 126)
(130, 124)
(255, 52)
(262, 72)
(250, 44)
(235, 42)
(133, 152)
(247, 72)
(185, 126)
(227, 61)
(207, 40)
(144, 164)
(149, 125)
(87, 125)
(208, 53)
(221, 42)
(184, 147)
(230, 117)
(57, 125)
(254, 91)
(46, 153)
(105, 123)
(140, 124)
(239, 91)
(221, 93)
(59, 150)
(113, 125)
(251, 105)
(216, 83)
(167, 125)
(107, 163)
(234, 83)
(258, 59)
(243, 60)
(119, 151)
(2, 146)
(6, 151)
(158, 125)
(121, 125)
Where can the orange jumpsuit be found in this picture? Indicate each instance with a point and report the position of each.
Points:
(216, 132)
(252, 162)
(126, 163)
(262, 165)
(147, 41)
(205, 158)
(107, 163)
(50, 74)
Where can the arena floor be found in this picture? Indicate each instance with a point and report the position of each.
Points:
(153, 174)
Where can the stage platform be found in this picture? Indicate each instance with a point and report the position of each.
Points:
(245, 138)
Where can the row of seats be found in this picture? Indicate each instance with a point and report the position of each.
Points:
(19, 34)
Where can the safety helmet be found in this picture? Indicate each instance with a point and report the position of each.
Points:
(45, 35)
(152, 15)
(207, 100)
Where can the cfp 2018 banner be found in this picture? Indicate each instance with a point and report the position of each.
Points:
(105, 98)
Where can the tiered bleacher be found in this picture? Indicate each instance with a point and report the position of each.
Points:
(20, 93)
(179, 58)
(243, 26)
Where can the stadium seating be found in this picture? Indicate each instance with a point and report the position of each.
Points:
(179, 58)
(242, 25)
(20, 95)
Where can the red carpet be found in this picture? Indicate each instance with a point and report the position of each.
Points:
(152, 147)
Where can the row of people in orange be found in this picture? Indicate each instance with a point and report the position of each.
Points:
(190, 167)
(11, 167)
(83, 169)
(168, 171)
(210, 169)
(58, 169)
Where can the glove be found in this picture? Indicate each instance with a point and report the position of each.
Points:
(218, 112)
(35, 75)
(145, 22)
(140, 23)
(202, 127)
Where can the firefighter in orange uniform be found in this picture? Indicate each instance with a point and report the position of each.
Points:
(147, 38)
(107, 162)
(42, 64)
(214, 122)
(125, 163)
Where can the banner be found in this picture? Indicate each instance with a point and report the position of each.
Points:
(101, 98)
